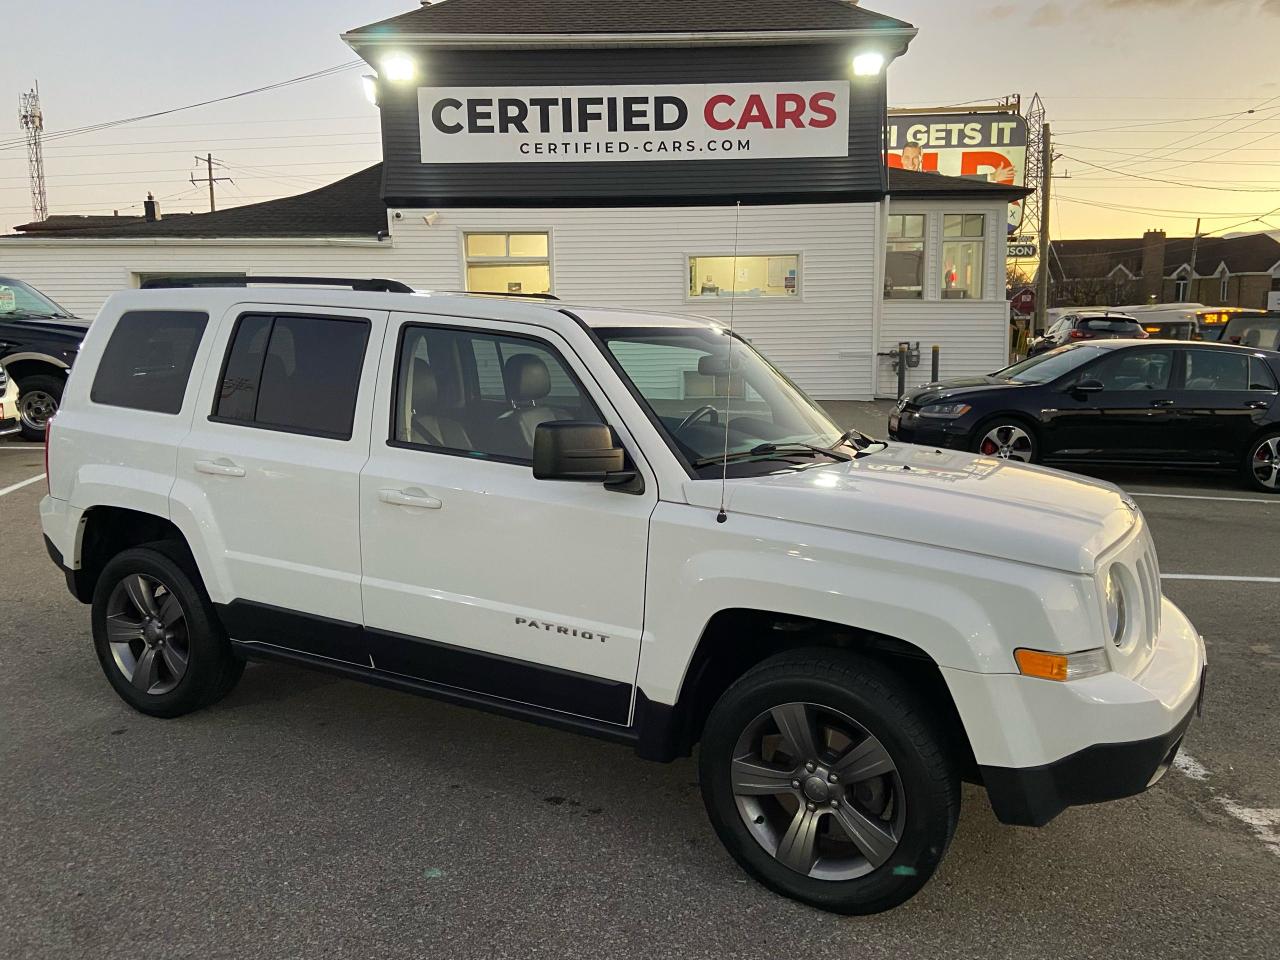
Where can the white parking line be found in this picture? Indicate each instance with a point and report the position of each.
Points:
(1264, 822)
(1190, 496)
(1210, 576)
(22, 483)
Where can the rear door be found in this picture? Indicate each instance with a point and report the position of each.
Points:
(1225, 398)
(270, 473)
(1130, 419)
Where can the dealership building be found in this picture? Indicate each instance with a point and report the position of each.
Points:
(688, 156)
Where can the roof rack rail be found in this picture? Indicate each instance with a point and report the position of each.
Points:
(367, 284)
(499, 293)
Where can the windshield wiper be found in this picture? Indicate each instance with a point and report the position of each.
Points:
(772, 451)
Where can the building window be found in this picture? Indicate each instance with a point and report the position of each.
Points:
(1224, 287)
(963, 255)
(904, 259)
(1180, 287)
(508, 262)
(756, 276)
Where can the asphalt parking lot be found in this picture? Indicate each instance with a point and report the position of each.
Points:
(307, 816)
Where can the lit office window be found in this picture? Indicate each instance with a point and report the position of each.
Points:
(508, 262)
(904, 260)
(744, 276)
(963, 255)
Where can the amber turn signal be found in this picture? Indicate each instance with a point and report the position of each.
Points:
(1060, 666)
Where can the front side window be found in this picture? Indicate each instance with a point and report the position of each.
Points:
(508, 262)
(147, 361)
(694, 385)
(481, 394)
(744, 276)
(21, 301)
(963, 255)
(1134, 370)
(904, 258)
(297, 374)
(1226, 370)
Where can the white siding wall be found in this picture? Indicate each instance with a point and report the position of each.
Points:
(973, 334)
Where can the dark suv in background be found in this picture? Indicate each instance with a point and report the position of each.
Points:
(39, 341)
(1078, 327)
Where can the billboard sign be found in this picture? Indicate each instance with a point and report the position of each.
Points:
(609, 124)
(993, 145)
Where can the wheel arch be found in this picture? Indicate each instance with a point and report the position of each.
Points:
(736, 639)
(19, 365)
(105, 531)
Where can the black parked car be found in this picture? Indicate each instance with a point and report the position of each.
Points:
(39, 341)
(1113, 401)
(1087, 325)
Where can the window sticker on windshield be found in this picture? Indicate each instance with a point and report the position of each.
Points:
(8, 300)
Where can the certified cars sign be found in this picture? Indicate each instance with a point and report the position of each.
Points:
(724, 121)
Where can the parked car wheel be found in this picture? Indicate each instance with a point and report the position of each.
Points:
(1261, 467)
(156, 635)
(38, 399)
(825, 779)
(1006, 437)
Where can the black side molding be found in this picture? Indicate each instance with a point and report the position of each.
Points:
(1032, 796)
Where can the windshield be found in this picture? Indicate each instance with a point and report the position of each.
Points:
(685, 377)
(22, 301)
(1051, 365)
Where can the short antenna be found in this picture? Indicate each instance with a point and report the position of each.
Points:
(721, 517)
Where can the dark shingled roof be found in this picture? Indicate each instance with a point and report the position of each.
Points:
(522, 17)
(914, 184)
(351, 207)
(77, 221)
(1091, 259)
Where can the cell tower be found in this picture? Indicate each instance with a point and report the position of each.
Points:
(1035, 178)
(32, 120)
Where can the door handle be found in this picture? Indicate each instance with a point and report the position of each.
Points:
(409, 498)
(1162, 403)
(222, 467)
(1258, 404)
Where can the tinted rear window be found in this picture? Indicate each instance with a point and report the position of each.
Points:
(293, 373)
(1111, 325)
(147, 362)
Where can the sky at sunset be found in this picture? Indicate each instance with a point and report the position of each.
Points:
(1163, 110)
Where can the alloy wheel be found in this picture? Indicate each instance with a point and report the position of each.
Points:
(147, 634)
(1265, 462)
(36, 407)
(1008, 442)
(818, 791)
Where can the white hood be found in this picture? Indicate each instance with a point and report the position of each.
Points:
(945, 498)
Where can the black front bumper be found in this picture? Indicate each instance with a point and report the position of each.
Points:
(1032, 796)
(929, 432)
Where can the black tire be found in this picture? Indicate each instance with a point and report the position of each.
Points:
(888, 709)
(1255, 473)
(1000, 421)
(38, 385)
(211, 670)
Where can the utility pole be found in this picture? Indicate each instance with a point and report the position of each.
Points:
(32, 119)
(207, 160)
(1195, 245)
(1046, 178)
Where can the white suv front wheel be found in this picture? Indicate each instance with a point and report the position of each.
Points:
(825, 780)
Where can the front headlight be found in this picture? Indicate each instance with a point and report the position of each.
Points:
(1115, 606)
(945, 411)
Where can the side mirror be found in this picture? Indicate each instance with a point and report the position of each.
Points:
(1088, 385)
(586, 452)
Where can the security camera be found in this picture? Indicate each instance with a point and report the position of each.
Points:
(432, 217)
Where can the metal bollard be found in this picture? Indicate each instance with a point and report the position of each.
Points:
(902, 369)
(933, 376)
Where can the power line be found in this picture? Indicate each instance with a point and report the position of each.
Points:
(1176, 183)
(93, 127)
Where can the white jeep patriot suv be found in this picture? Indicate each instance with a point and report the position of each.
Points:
(622, 524)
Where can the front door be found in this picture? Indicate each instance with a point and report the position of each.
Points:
(1130, 419)
(271, 469)
(478, 577)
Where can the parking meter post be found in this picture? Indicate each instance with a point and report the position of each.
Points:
(902, 369)
(933, 372)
